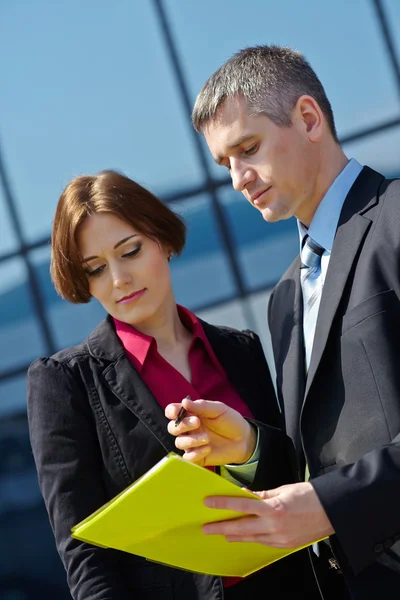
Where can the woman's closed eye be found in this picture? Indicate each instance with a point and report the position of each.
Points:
(132, 252)
(95, 272)
(98, 270)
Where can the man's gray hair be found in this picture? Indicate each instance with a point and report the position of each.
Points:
(270, 78)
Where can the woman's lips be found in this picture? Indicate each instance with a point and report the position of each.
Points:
(132, 297)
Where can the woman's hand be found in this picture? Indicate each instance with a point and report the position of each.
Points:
(211, 433)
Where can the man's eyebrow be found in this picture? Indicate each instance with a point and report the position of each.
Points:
(238, 142)
(89, 258)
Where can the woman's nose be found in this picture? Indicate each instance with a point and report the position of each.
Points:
(121, 278)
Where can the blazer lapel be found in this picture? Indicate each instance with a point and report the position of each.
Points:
(126, 383)
(350, 234)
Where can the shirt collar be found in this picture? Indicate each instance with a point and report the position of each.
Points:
(193, 323)
(135, 343)
(138, 345)
(325, 221)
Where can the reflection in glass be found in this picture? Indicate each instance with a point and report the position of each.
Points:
(265, 249)
(201, 275)
(70, 323)
(20, 336)
(30, 566)
(12, 396)
(392, 11)
(341, 39)
(8, 240)
(88, 89)
(379, 151)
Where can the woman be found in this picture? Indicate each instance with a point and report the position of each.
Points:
(96, 411)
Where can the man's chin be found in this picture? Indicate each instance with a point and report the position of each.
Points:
(273, 216)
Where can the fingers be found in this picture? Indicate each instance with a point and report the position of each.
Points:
(202, 408)
(235, 527)
(241, 505)
(172, 410)
(264, 539)
(194, 440)
(205, 408)
(198, 455)
(188, 424)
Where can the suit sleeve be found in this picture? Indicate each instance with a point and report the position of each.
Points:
(68, 463)
(362, 501)
(277, 463)
(273, 414)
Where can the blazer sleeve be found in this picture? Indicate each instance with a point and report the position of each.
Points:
(362, 502)
(68, 462)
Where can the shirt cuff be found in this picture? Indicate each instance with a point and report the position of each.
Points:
(243, 474)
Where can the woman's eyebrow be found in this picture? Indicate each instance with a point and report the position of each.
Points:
(89, 258)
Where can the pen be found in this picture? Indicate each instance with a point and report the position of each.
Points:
(181, 413)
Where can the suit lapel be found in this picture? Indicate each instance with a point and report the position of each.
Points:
(287, 336)
(350, 235)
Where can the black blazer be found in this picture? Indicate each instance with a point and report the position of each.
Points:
(95, 428)
(348, 408)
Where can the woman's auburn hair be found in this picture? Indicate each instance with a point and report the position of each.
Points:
(108, 192)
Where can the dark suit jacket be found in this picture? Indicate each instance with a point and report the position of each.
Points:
(95, 428)
(345, 417)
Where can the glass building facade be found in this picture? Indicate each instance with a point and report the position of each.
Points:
(94, 85)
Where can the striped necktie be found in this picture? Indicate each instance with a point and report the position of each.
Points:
(311, 284)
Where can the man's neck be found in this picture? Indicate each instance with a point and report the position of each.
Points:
(332, 162)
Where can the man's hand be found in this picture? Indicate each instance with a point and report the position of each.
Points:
(211, 433)
(288, 517)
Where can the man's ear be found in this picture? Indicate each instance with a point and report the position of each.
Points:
(309, 117)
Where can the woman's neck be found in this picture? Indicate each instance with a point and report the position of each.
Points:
(166, 328)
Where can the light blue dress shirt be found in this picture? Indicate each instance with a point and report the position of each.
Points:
(325, 221)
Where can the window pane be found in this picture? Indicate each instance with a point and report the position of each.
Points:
(12, 396)
(8, 240)
(265, 249)
(89, 87)
(341, 40)
(70, 323)
(392, 11)
(201, 275)
(20, 336)
(379, 151)
(30, 566)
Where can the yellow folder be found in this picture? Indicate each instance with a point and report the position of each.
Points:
(160, 517)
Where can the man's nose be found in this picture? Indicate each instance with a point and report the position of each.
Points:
(241, 175)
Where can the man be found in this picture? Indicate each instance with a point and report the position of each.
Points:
(334, 316)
